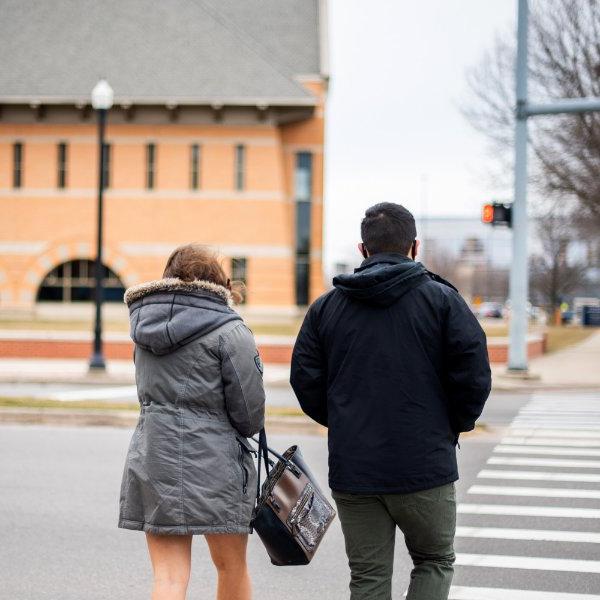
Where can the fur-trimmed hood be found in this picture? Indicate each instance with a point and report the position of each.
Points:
(169, 313)
(172, 284)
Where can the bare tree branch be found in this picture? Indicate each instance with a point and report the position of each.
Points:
(564, 62)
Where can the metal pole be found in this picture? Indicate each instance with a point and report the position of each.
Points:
(564, 106)
(97, 360)
(517, 354)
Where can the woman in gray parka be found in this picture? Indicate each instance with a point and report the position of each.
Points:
(189, 468)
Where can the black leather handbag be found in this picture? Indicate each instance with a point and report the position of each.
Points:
(291, 514)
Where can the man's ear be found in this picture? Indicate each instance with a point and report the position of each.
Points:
(415, 249)
(363, 250)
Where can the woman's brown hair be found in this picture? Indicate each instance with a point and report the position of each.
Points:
(192, 262)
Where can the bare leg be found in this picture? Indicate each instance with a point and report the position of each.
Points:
(228, 552)
(171, 558)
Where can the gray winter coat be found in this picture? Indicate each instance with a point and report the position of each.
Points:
(189, 468)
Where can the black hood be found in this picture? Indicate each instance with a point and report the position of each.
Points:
(169, 313)
(382, 278)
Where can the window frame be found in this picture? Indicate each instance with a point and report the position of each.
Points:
(18, 152)
(195, 168)
(238, 262)
(240, 167)
(150, 166)
(303, 196)
(61, 159)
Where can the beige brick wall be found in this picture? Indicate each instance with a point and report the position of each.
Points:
(42, 226)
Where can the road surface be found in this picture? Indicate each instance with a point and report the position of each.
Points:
(528, 528)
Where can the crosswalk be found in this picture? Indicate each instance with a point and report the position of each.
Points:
(529, 528)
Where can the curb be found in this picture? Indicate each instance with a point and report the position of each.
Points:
(101, 380)
(64, 379)
(128, 419)
(548, 387)
(98, 380)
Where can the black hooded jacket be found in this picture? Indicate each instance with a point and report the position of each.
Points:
(395, 364)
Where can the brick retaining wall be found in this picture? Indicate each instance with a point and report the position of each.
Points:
(276, 353)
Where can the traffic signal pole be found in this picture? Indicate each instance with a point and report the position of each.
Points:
(519, 271)
(519, 281)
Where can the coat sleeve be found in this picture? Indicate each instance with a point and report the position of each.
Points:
(468, 376)
(309, 371)
(241, 371)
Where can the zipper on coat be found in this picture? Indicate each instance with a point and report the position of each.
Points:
(243, 467)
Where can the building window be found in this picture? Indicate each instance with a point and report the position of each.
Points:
(62, 165)
(240, 167)
(17, 164)
(106, 170)
(195, 167)
(239, 272)
(74, 282)
(150, 165)
(303, 198)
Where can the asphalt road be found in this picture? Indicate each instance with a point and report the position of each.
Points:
(58, 511)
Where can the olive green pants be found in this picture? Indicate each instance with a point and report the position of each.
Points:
(428, 521)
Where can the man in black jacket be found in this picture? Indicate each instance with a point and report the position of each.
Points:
(394, 363)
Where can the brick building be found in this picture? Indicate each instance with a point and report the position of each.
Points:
(215, 136)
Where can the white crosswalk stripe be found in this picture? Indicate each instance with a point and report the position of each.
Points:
(559, 443)
(528, 562)
(544, 462)
(529, 511)
(539, 476)
(552, 432)
(585, 427)
(552, 441)
(480, 593)
(496, 490)
(542, 535)
(507, 449)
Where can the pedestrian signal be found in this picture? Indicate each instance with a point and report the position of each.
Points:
(497, 213)
(487, 215)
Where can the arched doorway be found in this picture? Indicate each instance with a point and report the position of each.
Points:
(73, 281)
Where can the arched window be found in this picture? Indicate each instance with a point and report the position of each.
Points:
(73, 281)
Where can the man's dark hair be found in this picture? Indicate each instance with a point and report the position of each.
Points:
(388, 227)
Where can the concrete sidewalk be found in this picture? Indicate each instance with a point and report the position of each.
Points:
(575, 367)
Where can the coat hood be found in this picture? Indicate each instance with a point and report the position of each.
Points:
(382, 279)
(169, 313)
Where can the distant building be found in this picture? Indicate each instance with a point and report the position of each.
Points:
(476, 257)
(216, 136)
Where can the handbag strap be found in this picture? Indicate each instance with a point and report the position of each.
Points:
(263, 457)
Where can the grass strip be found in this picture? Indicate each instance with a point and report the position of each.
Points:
(560, 338)
(28, 402)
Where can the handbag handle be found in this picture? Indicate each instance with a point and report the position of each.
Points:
(263, 456)
(263, 453)
(270, 450)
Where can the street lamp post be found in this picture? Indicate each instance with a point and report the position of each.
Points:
(102, 100)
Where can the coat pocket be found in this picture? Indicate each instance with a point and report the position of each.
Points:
(243, 450)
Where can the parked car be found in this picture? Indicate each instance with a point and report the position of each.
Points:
(534, 313)
(489, 310)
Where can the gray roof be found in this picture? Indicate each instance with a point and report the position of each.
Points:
(167, 51)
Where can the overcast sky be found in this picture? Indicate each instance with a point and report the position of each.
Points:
(394, 127)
